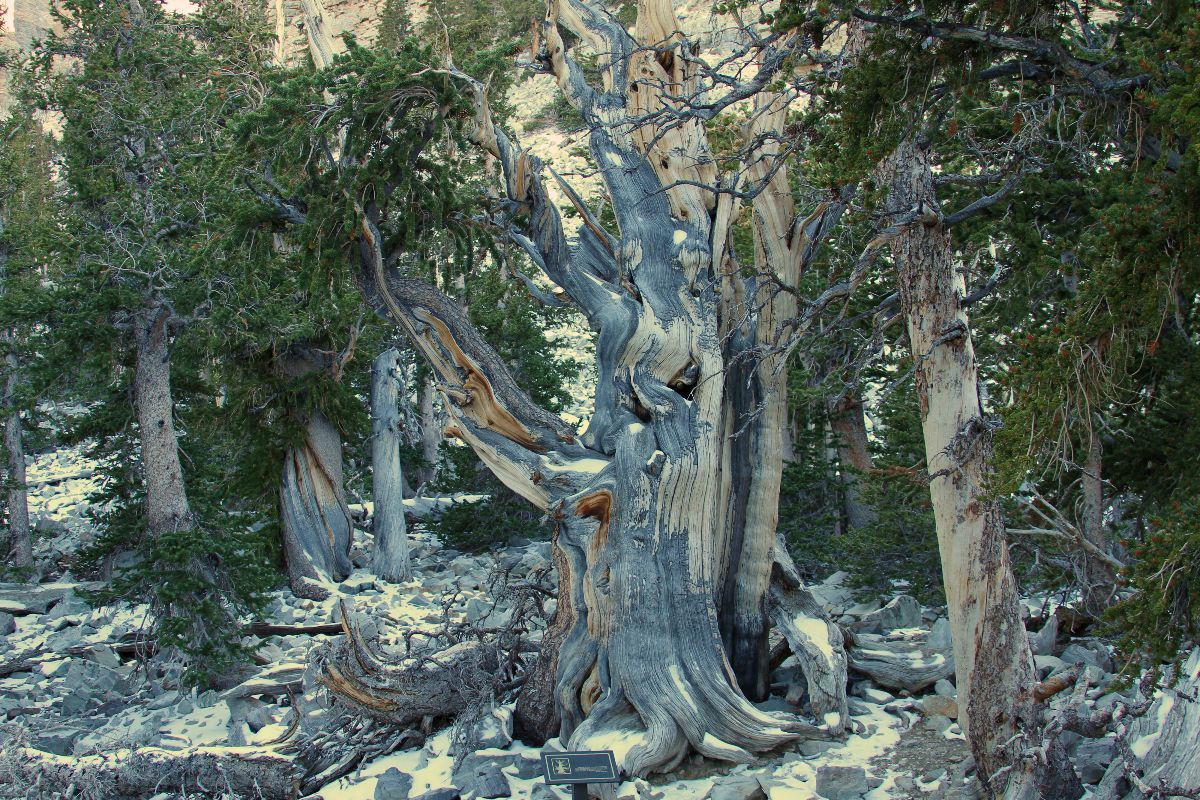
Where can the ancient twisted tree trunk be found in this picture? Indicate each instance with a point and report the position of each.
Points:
(993, 662)
(666, 506)
(317, 529)
(167, 507)
(389, 558)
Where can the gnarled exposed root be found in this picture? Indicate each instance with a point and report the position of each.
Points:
(433, 686)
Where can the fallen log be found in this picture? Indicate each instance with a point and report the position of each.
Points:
(817, 642)
(274, 680)
(910, 664)
(264, 629)
(244, 772)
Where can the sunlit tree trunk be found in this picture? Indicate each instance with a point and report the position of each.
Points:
(431, 435)
(993, 663)
(167, 507)
(389, 558)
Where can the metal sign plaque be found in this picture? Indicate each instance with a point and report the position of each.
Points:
(598, 766)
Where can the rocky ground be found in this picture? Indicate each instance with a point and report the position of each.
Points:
(71, 683)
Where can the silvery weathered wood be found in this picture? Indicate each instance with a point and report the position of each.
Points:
(816, 641)
(1158, 752)
(389, 556)
(312, 501)
(899, 663)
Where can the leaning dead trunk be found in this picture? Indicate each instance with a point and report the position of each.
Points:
(993, 661)
(389, 558)
(317, 530)
(20, 550)
(167, 507)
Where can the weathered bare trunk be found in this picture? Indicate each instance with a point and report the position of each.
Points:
(317, 530)
(849, 425)
(1100, 579)
(431, 435)
(20, 549)
(167, 507)
(389, 558)
(993, 661)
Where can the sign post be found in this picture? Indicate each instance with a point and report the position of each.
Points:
(580, 768)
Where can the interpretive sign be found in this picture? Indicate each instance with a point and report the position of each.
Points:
(598, 766)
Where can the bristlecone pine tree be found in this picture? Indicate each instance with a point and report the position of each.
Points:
(666, 506)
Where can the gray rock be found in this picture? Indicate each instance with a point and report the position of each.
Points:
(477, 609)
(940, 639)
(1048, 665)
(59, 740)
(877, 696)
(356, 583)
(124, 730)
(102, 655)
(528, 767)
(736, 787)
(936, 705)
(863, 609)
(393, 785)
(55, 669)
(938, 724)
(167, 698)
(1075, 653)
(1045, 641)
(841, 783)
(901, 612)
(487, 781)
(258, 718)
(945, 688)
(8, 624)
(543, 792)
(1092, 758)
(814, 747)
(495, 729)
(858, 707)
(1090, 654)
(473, 763)
(447, 793)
